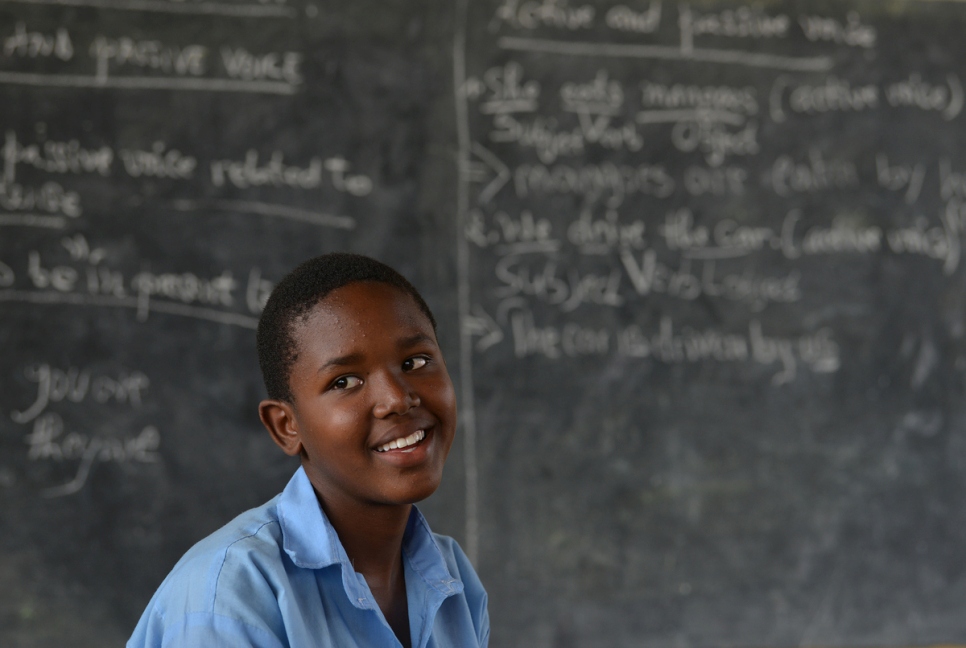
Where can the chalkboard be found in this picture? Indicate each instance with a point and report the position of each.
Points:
(697, 267)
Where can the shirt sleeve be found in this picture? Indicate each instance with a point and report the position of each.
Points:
(201, 629)
(213, 599)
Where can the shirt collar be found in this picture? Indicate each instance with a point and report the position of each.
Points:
(311, 542)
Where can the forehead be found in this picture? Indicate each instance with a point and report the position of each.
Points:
(364, 310)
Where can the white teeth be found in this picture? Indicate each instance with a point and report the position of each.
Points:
(395, 444)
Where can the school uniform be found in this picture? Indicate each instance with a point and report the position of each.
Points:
(277, 576)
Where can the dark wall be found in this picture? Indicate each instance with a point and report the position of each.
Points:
(697, 266)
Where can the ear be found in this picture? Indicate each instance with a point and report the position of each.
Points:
(279, 419)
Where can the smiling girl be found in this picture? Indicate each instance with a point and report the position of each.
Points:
(358, 389)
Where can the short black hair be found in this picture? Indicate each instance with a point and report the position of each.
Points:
(297, 293)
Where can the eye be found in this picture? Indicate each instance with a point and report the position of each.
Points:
(346, 382)
(417, 362)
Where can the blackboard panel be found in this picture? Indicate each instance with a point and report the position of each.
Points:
(716, 362)
(157, 181)
(698, 270)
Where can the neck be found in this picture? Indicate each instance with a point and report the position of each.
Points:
(371, 533)
(372, 537)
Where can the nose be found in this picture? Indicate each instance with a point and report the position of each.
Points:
(393, 395)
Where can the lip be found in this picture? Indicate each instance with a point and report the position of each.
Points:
(402, 430)
(410, 455)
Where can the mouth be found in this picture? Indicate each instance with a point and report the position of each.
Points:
(403, 444)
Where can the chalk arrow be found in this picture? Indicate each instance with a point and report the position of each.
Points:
(483, 168)
(480, 323)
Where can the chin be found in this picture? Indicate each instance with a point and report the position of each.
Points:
(418, 492)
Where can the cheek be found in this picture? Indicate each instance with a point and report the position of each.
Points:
(445, 403)
(333, 425)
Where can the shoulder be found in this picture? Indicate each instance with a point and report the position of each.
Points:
(253, 540)
(229, 578)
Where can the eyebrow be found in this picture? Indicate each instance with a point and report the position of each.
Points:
(353, 358)
(413, 340)
(341, 361)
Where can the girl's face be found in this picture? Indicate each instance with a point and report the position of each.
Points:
(373, 405)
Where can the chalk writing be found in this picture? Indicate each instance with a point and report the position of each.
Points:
(52, 156)
(648, 275)
(738, 100)
(276, 173)
(789, 176)
(47, 441)
(191, 60)
(671, 344)
(533, 14)
(840, 237)
(605, 235)
(158, 162)
(49, 198)
(185, 287)
(715, 140)
(257, 291)
(853, 32)
(32, 44)
(607, 180)
(567, 289)
(601, 96)
(786, 179)
(832, 95)
(900, 176)
(817, 351)
(76, 385)
(550, 141)
(715, 181)
(514, 235)
(680, 232)
(507, 90)
(729, 239)
(93, 279)
(80, 250)
(100, 280)
(481, 324)
(915, 92)
(744, 22)
(60, 278)
(279, 66)
(626, 19)
(490, 169)
(552, 342)
(940, 242)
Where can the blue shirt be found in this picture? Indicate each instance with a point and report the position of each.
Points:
(277, 576)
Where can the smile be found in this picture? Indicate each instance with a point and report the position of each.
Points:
(405, 442)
